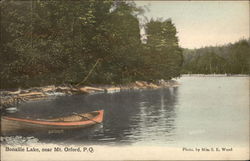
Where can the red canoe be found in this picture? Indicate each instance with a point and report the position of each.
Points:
(62, 123)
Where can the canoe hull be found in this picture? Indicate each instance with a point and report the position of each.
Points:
(10, 124)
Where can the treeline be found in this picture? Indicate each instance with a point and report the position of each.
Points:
(86, 42)
(227, 59)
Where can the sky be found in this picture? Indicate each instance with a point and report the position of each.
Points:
(203, 23)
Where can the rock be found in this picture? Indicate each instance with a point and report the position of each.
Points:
(136, 88)
(48, 89)
(62, 89)
(51, 93)
(24, 91)
(140, 84)
(151, 85)
(74, 90)
(90, 89)
(32, 94)
(94, 89)
(12, 98)
(15, 92)
(112, 89)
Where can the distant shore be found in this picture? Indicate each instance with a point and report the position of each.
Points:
(10, 99)
(215, 75)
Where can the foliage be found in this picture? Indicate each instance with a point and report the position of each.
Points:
(230, 59)
(163, 57)
(57, 42)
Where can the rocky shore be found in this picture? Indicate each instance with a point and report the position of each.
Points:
(10, 99)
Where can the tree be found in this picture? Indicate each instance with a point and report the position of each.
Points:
(163, 57)
(89, 42)
(230, 58)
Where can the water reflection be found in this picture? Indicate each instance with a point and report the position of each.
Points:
(155, 120)
(132, 116)
(205, 111)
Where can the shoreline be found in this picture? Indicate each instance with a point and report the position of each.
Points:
(215, 75)
(10, 99)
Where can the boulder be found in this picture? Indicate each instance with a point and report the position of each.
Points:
(112, 89)
(90, 89)
(151, 85)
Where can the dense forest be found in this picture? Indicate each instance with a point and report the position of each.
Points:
(99, 42)
(83, 42)
(226, 59)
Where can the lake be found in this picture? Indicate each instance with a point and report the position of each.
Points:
(200, 111)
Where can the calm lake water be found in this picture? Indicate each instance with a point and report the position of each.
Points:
(201, 111)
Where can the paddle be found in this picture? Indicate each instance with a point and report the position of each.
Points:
(85, 117)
